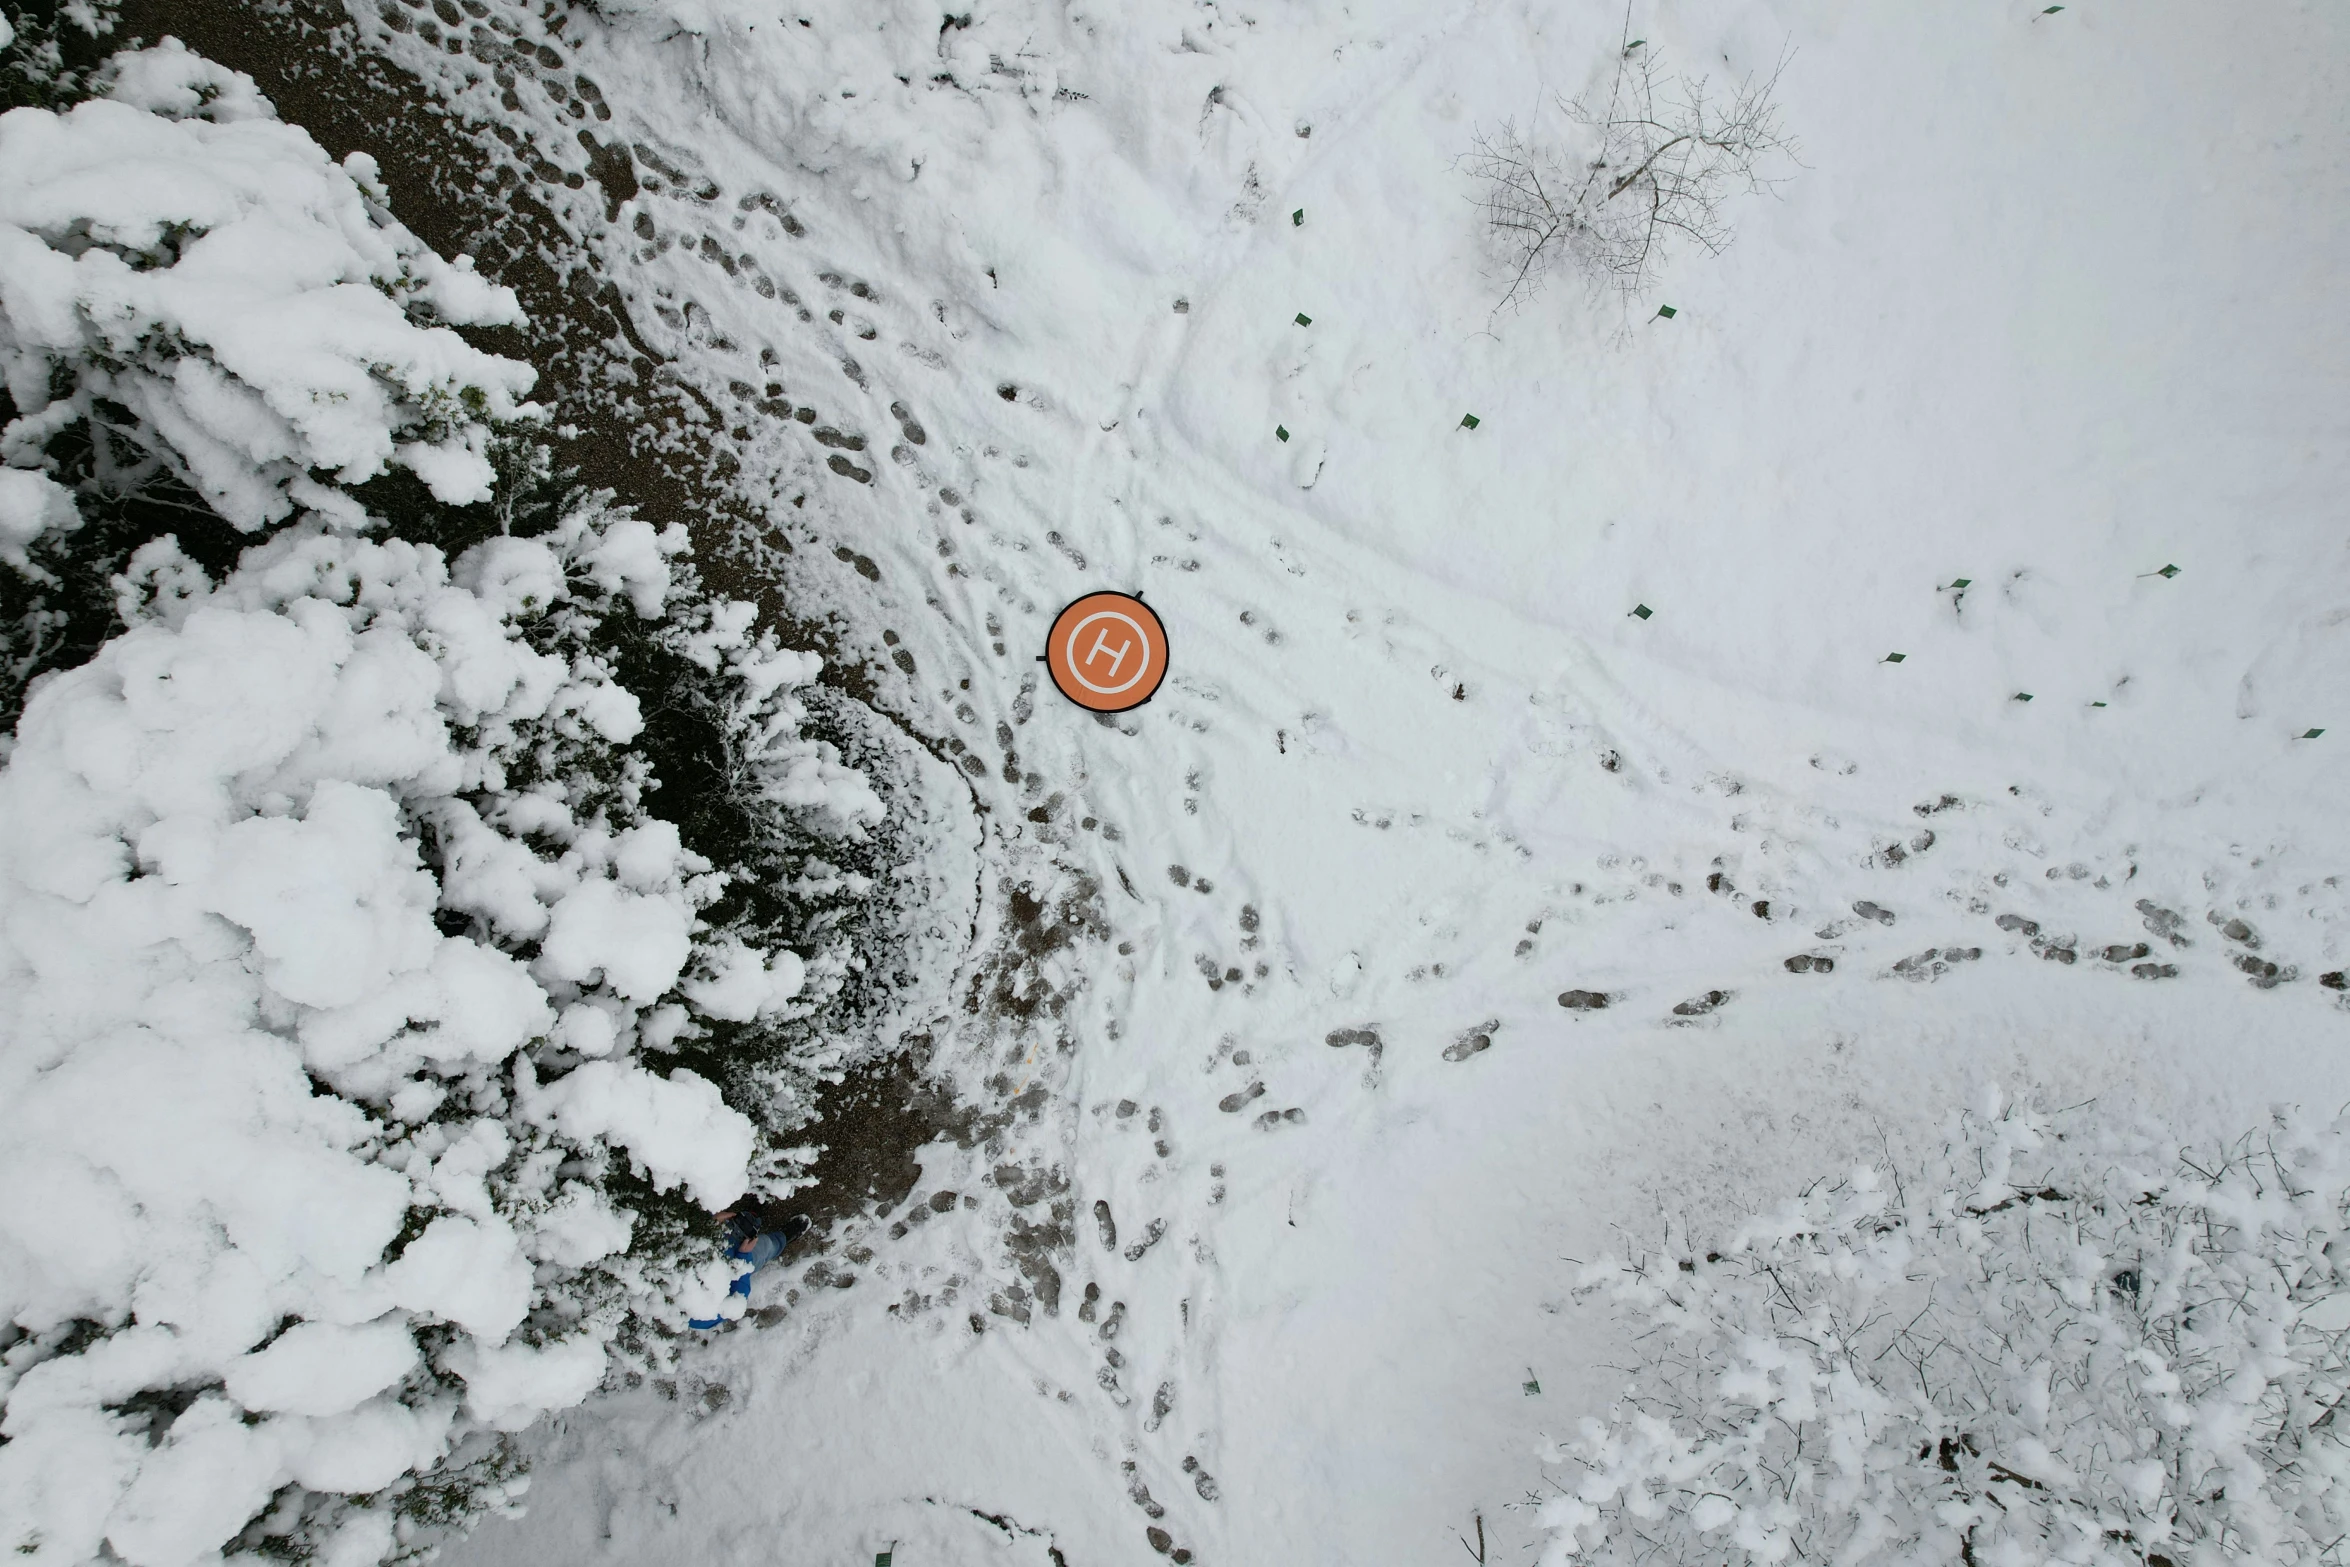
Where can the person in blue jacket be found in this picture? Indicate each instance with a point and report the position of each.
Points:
(751, 1243)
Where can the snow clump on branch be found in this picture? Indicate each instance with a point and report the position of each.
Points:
(251, 1078)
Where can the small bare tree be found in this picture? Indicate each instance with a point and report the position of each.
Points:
(1657, 162)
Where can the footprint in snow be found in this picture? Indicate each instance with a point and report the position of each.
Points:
(1306, 466)
(2163, 923)
(1934, 962)
(2066, 949)
(2264, 974)
(1895, 853)
(1151, 1235)
(1471, 1041)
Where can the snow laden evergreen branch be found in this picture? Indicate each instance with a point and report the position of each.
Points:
(2061, 1343)
(372, 1053)
(1655, 164)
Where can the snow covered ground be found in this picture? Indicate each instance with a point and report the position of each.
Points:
(2051, 304)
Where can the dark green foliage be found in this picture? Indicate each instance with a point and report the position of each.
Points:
(49, 64)
(59, 615)
(699, 783)
(451, 1495)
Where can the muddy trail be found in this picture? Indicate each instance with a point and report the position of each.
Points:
(624, 419)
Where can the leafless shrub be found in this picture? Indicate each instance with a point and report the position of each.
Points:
(1653, 164)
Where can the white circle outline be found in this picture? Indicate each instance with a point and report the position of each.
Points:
(1069, 650)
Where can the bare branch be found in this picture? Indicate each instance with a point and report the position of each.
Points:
(1657, 162)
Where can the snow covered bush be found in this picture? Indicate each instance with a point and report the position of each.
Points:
(2063, 1342)
(238, 305)
(192, 291)
(372, 1052)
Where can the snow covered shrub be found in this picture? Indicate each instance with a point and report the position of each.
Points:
(1650, 166)
(2063, 1342)
(372, 1051)
(49, 48)
(196, 301)
(304, 1139)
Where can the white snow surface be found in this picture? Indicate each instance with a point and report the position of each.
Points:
(2051, 303)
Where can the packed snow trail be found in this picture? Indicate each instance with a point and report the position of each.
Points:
(1303, 1015)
